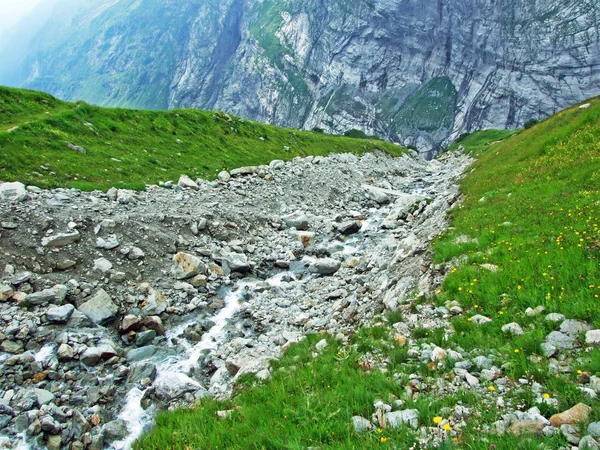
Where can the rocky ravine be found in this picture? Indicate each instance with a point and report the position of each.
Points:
(116, 304)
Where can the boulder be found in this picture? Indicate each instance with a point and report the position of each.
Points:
(512, 328)
(577, 414)
(361, 424)
(60, 314)
(65, 352)
(186, 266)
(297, 220)
(61, 240)
(409, 417)
(139, 354)
(592, 337)
(6, 292)
(109, 243)
(560, 340)
(325, 266)
(115, 430)
(155, 303)
(224, 176)
(351, 227)
(42, 297)
(100, 308)
(187, 182)
(237, 262)
(13, 192)
(172, 386)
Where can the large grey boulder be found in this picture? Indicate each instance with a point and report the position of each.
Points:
(42, 297)
(61, 240)
(13, 192)
(325, 266)
(60, 314)
(100, 308)
(173, 386)
(186, 266)
(409, 417)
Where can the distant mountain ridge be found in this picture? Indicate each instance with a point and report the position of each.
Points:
(415, 71)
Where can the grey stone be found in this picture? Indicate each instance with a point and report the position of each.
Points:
(42, 297)
(76, 148)
(298, 221)
(548, 349)
(173, 386)
(224, 176)
(409, 417)
(13, 192)
(187, 182)
(237, 262)
(483, 362)
(103, 265)
(100, 308)
(109, 243)
(361, 424)
(139, 354)
(65, 352)
(144, 338)
(573, 327)
(588, 443)
(155, 303)
(44, 397)
(60, 314)
(594, 429)
(592, 337)
(560, 340)
(140, 371)
(376, 194)
(135, 254)
(570, 433)
(350, 227)
(186, 266)
(12, 346)
(115, 430)
(91, 356)
(555, 317)
(79, 320)
(480, 320)
(325, 266)
(513, 328)
(61, 240)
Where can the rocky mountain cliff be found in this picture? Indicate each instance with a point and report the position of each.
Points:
(419, 72)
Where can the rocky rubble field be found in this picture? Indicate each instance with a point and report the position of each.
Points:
(116, 304)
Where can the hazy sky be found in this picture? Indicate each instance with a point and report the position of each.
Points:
(11, 11)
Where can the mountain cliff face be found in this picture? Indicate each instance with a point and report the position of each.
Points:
(415, 71)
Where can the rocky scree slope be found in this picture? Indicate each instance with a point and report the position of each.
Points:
(416, 72)
(114, 305)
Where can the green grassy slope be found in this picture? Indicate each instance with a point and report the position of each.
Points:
(130, 148)
(531, 209)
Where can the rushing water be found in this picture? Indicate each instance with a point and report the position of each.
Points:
(137, 418)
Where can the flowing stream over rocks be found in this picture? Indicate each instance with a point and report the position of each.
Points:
(116, 305)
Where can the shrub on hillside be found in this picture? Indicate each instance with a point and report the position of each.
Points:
(530, 123)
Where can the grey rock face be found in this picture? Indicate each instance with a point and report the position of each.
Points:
(406, 70)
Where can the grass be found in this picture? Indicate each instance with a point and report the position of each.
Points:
(132, 148)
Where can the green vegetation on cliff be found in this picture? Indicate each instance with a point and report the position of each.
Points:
(131, 148)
